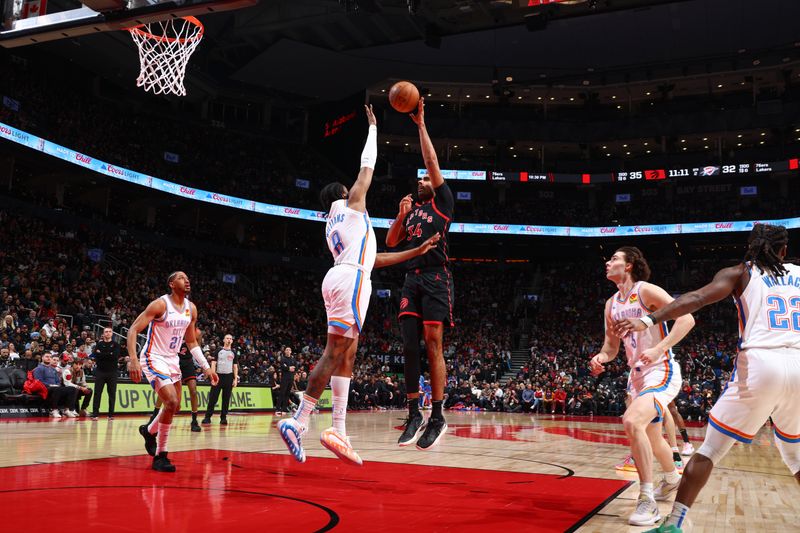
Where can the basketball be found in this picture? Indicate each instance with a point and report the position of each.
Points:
(404, 96)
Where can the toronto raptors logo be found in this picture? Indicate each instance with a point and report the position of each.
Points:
(403, 303)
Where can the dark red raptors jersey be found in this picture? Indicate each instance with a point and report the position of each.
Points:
(426, 220)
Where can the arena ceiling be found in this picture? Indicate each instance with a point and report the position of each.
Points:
(323, 49)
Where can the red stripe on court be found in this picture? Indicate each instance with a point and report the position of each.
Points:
(233, 491)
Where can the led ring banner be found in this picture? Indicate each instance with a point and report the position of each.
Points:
(71, 156)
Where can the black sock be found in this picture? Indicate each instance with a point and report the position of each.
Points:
(413, 406)
(156, 410)
(676, 456)
(194, 416)
(436, 412)
(685, 436)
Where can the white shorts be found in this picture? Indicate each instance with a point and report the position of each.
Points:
(662, 381)
(346, 291)
(160, 370)
(764, 383)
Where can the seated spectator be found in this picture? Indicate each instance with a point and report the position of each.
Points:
(75, 377)
(57, 394)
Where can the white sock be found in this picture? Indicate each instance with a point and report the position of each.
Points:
(163, 434)
(672, 477)
(340, 387)
(675, 449)
(678, 515)
(153, 427)
(646, 489)
(303, 412)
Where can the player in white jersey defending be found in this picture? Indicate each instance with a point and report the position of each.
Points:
(655, 378)
(346, 290)
(170, 320)
(766, 378)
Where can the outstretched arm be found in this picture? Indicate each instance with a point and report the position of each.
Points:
(392, 258)
(723, 285)
(657, 298)
(425, 143)
(357, 199)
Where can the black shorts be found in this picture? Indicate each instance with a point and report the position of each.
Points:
(428, 295)
(187, 373)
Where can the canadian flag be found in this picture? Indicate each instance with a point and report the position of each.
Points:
(33, 8)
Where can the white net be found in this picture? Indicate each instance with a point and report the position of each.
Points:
(164, 50)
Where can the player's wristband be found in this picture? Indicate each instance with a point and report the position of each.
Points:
(648, 320)
(199, 358)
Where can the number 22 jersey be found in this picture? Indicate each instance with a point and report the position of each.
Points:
(769, 310)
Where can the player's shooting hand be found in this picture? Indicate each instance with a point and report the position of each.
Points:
(426, 246)
(370, 115)
(405, 205)
(596, 365)
(134, 370)
(419, 118)
(628, 325)
(211, 375)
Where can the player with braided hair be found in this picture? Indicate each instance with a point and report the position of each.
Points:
(766, 378)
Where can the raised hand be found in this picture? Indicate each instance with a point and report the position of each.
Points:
(405, 206)
(370, 115)
(419, 118)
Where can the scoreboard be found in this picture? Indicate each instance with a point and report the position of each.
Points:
(623, 176)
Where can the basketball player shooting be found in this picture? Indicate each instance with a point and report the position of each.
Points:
(346, 290)
(170, 320)
(427, 294)
(766, 378)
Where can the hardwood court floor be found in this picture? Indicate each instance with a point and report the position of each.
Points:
(526, 473)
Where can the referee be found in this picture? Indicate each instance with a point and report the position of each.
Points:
(226, 364)
(106, 357)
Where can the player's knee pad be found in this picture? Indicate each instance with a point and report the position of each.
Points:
(716, 445)
(790, 452)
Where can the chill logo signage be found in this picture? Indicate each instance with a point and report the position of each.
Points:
(83, 160)
(470, 175)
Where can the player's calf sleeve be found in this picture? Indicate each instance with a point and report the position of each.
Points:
(410, 332)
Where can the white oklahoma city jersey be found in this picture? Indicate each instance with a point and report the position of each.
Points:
(769, 310)
(350, 237)
(631, 306)
(347, 287)
(165, 334)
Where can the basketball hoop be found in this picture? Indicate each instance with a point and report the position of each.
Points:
(164, 50)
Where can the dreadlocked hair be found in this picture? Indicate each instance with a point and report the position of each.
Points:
(634, 256)
(763, 246)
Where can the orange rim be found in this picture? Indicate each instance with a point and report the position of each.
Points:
(163, 38)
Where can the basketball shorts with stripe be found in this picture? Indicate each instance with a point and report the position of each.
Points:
(428, 295)
(160, 370)
(764, 383)
(346, 291)
(661, 381)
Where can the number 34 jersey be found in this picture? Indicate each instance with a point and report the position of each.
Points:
(350, 237)
(165, 334)
(769, 310)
